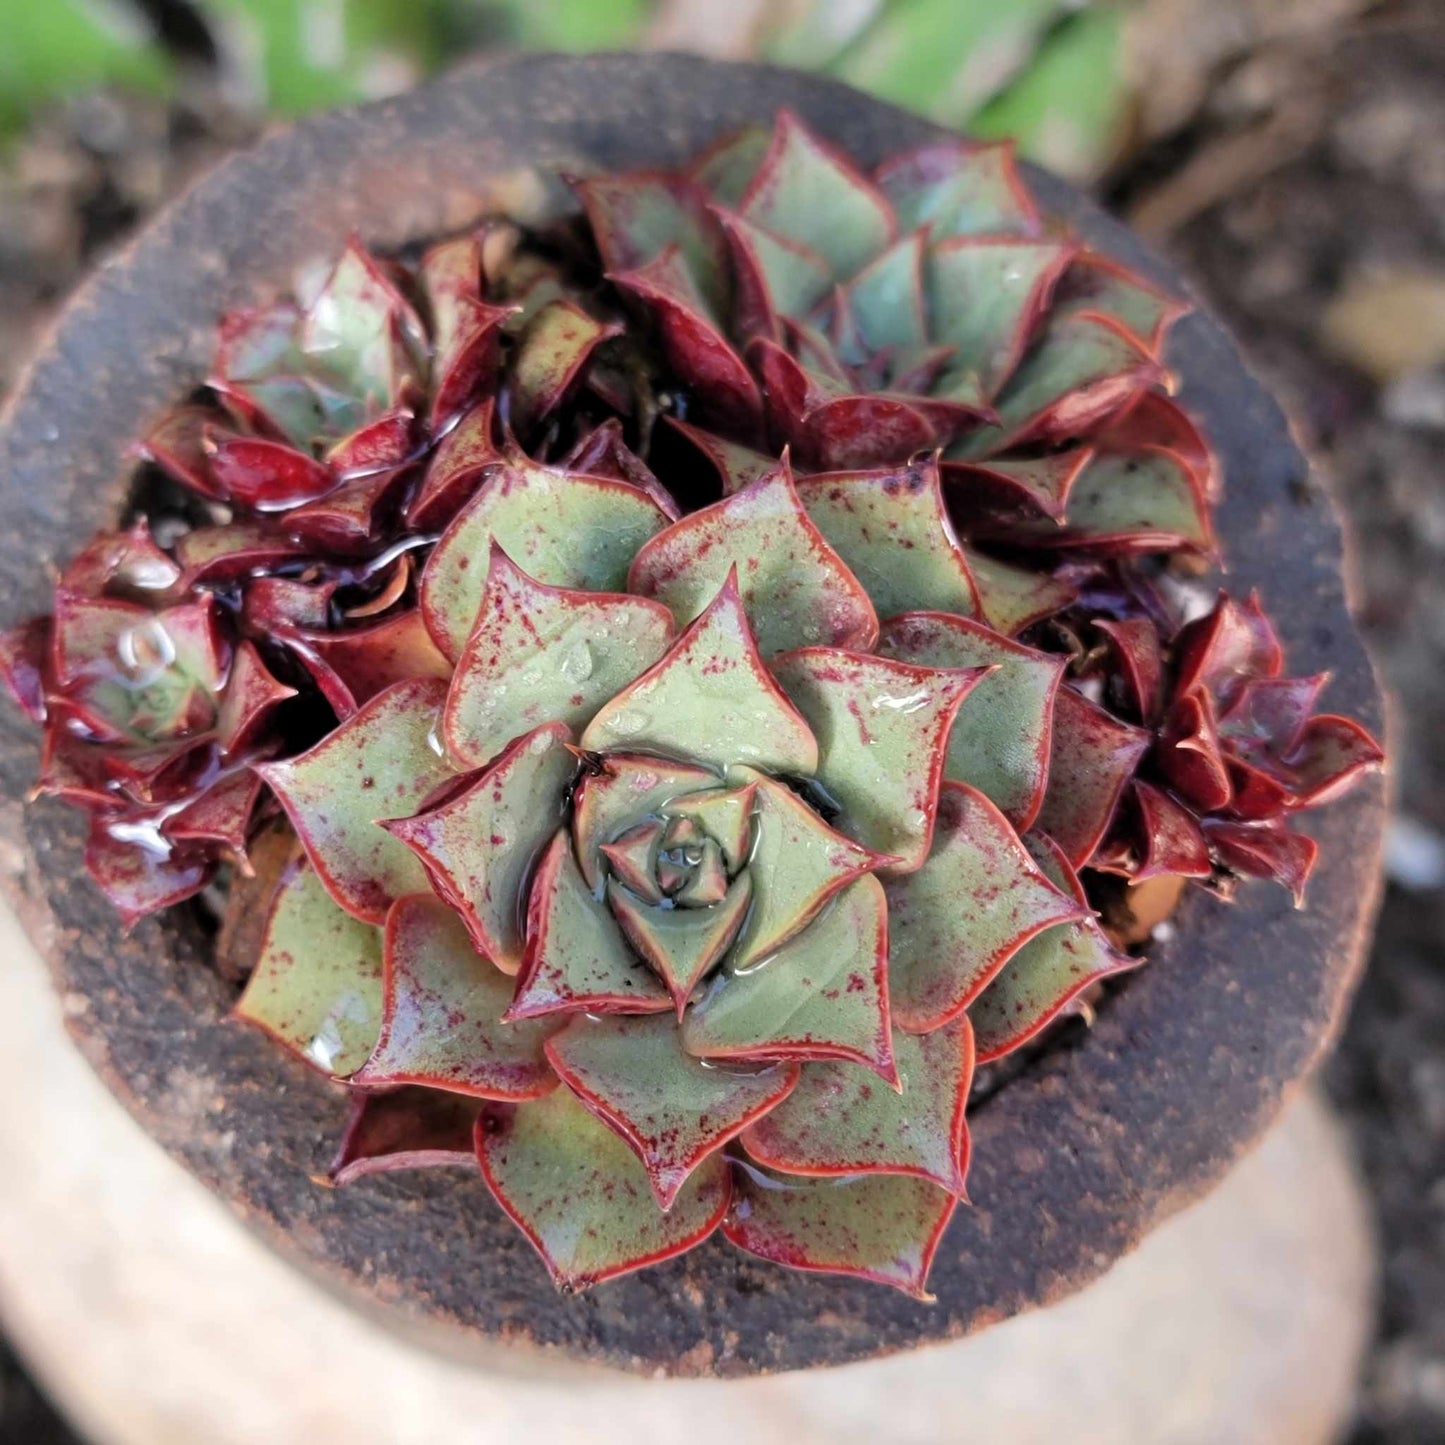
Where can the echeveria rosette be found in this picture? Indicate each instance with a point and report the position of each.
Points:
(649, 875)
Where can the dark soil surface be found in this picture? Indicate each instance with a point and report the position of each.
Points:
(1329, 162)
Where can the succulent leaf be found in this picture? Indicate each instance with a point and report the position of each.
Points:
(821, 995)
(671, 1109)
(580, 1194)
(959, 189)
(543, 654)
(711, 699)
(316, 987)
(795, 589)
(408, 1128)
(956, 921)
(441, 1014)
(478, 846)
(882, 730)
(376, 765)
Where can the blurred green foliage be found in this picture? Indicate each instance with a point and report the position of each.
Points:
(1046, 71)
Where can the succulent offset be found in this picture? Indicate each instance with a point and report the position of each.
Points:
(701, 661)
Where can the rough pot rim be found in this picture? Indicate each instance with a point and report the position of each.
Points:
(1099, 1141)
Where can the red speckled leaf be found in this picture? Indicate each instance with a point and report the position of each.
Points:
(1226, 648)
(550, 361)
(797, 863)
(956, 921)
(316, 987)
(463, 457)
(250, 697)
(1094, 757)
(465, 328)
(176, 444)
(397, 1129)
(1139, 657)
(986, 295)
(564, 530)
(841, 1120)
(709, 699)
(737, 466)
(1047, 974)
(376, 445)
(629, 788)
(138, 879)
(959, 188)
(577, 959)
(1156, 420)
(381, 763)
(795, 588)
(1002, 738)
(882, 730)
(892, 530)
(693, 341)
(232, 551)
(1331, 755)
(582, 1197)
(1170, 842)
(368, 660)
(775, 277)
(222, 814)
(1190, 754)
(994, 493)
(442, 1007)
(812, 194)
(822, 995)
(544, 654)
(349, 520)
(122, 564)
(268, 475)
(1101, 288)
(1010, 598)
(883, 1228)
(1266, 850)
(672, 1110)
(479, 845)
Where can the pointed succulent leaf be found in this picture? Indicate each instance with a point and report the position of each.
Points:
(1094, 757)
(544, 654)
(1003, 736)
(1332, 754)
(232, 551)
(139, 881)
(1134, 642)
(478, 846)
(892, 530)
(724, 169)
(251, 695)
(726, 815)
(441, 1017)
(376, 445)
(1170, 841)
(956, 921)
(177, 445)
(959, 189)
(1048, 973)
(627, 788)
(693, 341)
(672, 1110)
(797, 864)
(795, 588)
(886, 301)
(577, 959)
(1191, 755)
(884, 1227)
(316, 987)
(1267, 716)
(737, 466)
(1010, 486)
(550, 360)
(563, 530)
(1076, 375)
(123, 564)
(840, 1120)
(381, 763)
(222, 814)
(582, 1197)
(882, 730)
(822, 995)
(267, 475)
(368, 660)
(775, 276)
(986, 295)
(1226, 648)
(1264, 850)
(1011, 598)
(406, 1128)
(466, 330)
(632, 857)
(805, 190)
(1099, 287)
(710, 699)
(462, 459)
(681, 944)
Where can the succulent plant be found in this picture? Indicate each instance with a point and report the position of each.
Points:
(671, 818)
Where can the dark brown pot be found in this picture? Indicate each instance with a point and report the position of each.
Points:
(1102, 1138)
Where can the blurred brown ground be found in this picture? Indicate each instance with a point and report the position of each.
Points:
(1289, 158)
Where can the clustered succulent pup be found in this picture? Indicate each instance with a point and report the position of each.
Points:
(693, 664)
